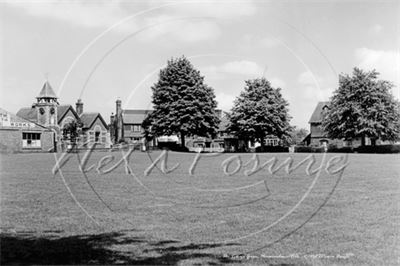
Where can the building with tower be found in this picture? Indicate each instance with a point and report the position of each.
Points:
(48, 112)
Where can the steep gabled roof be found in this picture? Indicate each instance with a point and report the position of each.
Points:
(134, 116)
(47, 91)
(224, 121)
(62, 110)
(88, 119)
(28, 113)
(316, 116)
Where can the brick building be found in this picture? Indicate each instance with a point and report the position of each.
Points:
(20, 135)
(126, 126)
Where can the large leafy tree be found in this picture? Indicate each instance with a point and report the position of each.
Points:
(183, 104)
(362, 106)
(260, 110)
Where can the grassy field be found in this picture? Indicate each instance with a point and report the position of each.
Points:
(126, 217)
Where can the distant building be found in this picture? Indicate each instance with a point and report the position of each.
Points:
(223, 141)
(126, 126)
(20, 135)
(49, 113)
(318, 137)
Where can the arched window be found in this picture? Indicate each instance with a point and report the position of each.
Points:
(97, 131)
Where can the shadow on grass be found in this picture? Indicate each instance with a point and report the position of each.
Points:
(101, 249)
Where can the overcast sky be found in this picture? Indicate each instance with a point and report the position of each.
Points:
(103, 50)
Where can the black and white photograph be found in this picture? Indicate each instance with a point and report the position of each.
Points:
(215, 132)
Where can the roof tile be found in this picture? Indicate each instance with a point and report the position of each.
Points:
(134, 116)
(316, 116)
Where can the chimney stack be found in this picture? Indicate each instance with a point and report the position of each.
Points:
(79, 107)
(119, 123)
(118, 110)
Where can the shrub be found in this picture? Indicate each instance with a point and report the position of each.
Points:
(272, 149)
(309, 149)
(341, 150)
(395, 148)
(173, 146)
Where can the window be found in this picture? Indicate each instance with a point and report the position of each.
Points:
(97, 136)
(31, 140)
(137, 128)
(97, 130)
(271, 142)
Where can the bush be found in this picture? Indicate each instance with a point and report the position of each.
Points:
(366, 149)
(272, 149)
(309, 149)
(341, 150)
(173, 146)
(395, 148)
(180, 148)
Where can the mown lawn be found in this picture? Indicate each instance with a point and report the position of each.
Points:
(127, 217)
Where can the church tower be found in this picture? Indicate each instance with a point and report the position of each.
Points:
(46, 106)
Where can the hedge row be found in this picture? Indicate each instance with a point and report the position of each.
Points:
(172, 146)
(272, 149)
(365, 149)
(379, 149)
(309, 149)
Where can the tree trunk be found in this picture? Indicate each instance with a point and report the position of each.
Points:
(182, 140)
(373, 142)
(262, 144)
(363, 141)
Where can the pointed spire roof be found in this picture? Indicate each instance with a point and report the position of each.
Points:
(47, 91)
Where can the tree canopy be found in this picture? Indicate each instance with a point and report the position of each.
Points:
(362, 106)
(183, 104)
(297, 135)
(260, 110)
(71, 130)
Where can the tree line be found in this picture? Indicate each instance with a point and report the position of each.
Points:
(184, 105)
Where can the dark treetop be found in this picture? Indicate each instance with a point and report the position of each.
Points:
(183, 104)
(260, 110)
